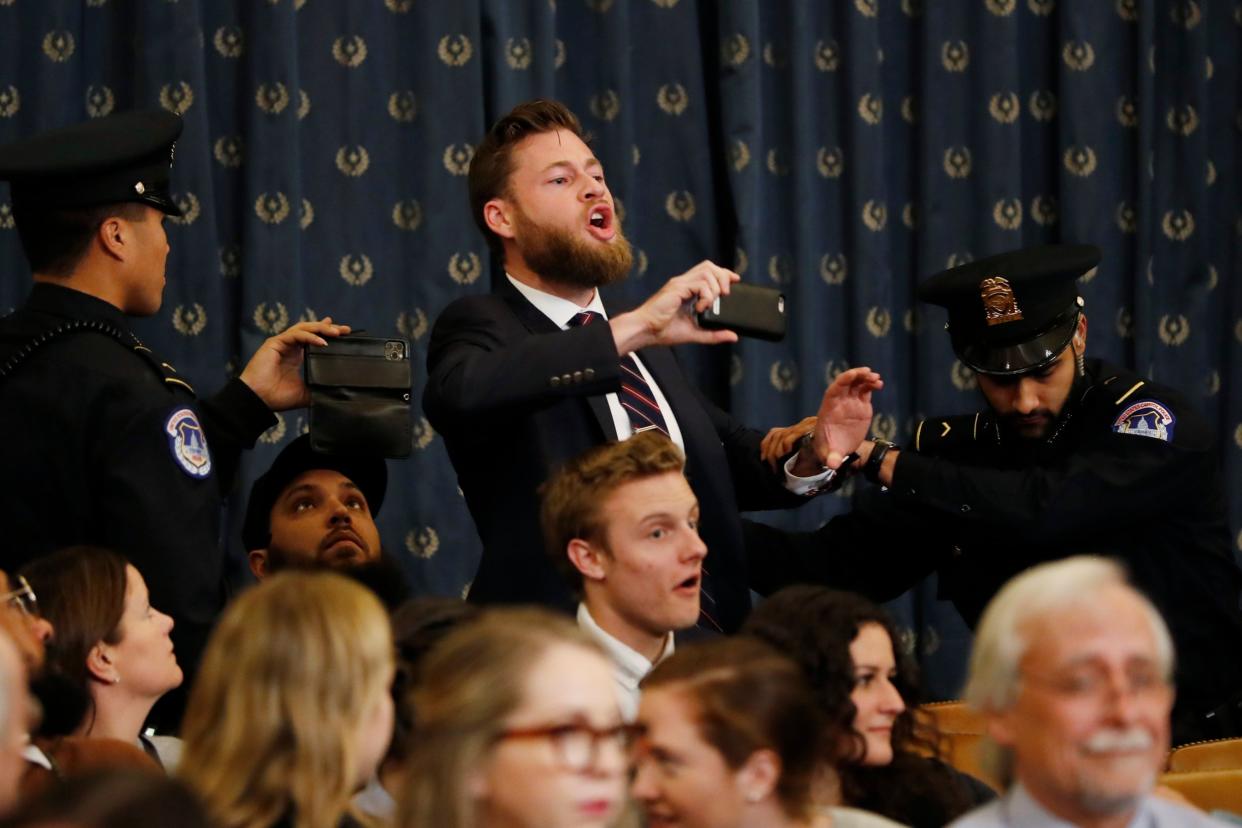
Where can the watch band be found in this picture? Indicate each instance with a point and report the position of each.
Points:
(871, 469)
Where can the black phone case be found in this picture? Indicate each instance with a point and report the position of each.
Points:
(750, 310)
(360, 396)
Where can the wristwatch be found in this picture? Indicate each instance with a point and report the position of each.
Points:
(871, 469)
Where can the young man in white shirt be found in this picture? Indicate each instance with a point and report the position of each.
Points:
(623, 524)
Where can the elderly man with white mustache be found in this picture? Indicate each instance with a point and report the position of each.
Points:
(1071, 669)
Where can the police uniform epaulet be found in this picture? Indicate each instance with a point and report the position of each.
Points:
(937, 433)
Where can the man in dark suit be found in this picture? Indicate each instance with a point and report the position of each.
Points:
(531, 375)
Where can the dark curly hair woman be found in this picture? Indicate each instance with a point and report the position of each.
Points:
(867, 687)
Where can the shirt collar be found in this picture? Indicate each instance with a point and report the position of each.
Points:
(559, 310)
(632, 666)
(1022, 811)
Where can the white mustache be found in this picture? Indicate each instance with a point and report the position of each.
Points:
(1117, 741)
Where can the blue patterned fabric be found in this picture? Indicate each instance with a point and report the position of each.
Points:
(842, 150)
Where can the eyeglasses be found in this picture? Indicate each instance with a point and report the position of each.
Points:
(577, 746)
(1097, 685)
(23, 598)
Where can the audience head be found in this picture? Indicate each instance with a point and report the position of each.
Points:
(1072, 669)
(312, 510)
(622, 522)
(90, 199)
(291, 712)
(112, 799)
(726, 736)
(538, 195)
(516, 724)
(491, 166)
(109, 641)
(31, 631)
(846, 646)
(417, 626)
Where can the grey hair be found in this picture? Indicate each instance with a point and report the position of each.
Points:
(1001, 639)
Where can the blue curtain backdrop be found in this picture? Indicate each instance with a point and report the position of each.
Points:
(842, 150)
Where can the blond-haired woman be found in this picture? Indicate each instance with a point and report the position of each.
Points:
(515, 724)
(291, 713)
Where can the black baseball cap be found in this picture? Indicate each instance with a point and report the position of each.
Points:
(125, 157)
(369, 474)
(1014, 312)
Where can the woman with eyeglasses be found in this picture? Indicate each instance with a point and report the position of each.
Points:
(729, 736)
(516, 725)
(109, 642)
(290, 713)
(867, 690)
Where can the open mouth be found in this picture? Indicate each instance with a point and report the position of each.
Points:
(600, 223)
(690, 584)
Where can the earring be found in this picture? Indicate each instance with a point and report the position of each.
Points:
(116, 679)
(1079, 359)
(753, 796)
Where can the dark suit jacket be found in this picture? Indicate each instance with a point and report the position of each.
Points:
(514, 396)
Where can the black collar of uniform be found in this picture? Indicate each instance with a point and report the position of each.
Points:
(58, 300)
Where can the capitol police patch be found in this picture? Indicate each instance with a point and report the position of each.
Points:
(1146, 418)
(188, 443)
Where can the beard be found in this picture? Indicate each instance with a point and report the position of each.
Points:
(563, 258)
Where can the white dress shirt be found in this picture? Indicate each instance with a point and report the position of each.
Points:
(629, 666)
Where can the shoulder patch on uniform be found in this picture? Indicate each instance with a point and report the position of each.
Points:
(188, 443)
(1146, 418)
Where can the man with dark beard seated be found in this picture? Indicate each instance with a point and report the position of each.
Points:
(313, 511)
(535, 373)
(1071, 455)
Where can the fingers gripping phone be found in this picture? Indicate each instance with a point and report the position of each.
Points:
(749, 310)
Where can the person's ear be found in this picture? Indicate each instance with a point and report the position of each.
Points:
(587, 558)
(257, 558)
(757, 777)
(1001, 727)
(1080, 335)
(99, 664)
(496, 214)
(113, 237)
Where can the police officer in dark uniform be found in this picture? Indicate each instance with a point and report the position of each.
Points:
(1071, 456)
(105, 443)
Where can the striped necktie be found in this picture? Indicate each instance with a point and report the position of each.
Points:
(636, 396)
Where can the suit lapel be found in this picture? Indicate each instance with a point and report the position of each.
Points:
(536, 322)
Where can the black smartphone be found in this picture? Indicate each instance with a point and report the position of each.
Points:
(360, 396)
(750, 310)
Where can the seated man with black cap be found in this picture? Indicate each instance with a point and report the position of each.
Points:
(1070, 456)
(106, 444)
(312, 510)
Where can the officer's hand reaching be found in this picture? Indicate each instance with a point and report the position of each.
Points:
(274, 373)
(667, 318)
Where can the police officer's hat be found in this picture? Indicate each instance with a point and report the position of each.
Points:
(369, 474)
(118, 158)
(1015, 312)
